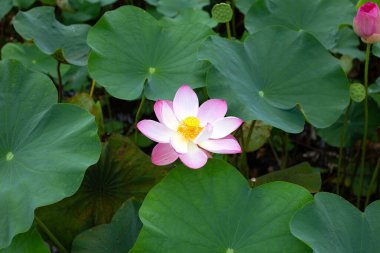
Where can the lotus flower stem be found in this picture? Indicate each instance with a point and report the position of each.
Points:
(245, 147)
(285, 141)
(49, 234)
(372, 183)
(60, 89)
(92, 88)
(274, 151)
(341, 147)
(138, 114)
(228, 28)
(365, 131)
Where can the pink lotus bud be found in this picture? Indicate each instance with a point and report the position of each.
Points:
(367, 23)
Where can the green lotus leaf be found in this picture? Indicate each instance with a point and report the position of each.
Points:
(191, 16)
(53, 38)
(78, 11)
(354, 131)
(28, 242)
(261, 80)
(122, 172)
(244, 5)
(302, 174)
(173, 7)
(259, 136)
(376, 49)
(117, 237)
(214, 210)
(133, 54)
(5, 7)
(31, 57)
(374, 92)
(23, 4)
(45, 148)
(320, 18)
(331, 224)
(347, 43)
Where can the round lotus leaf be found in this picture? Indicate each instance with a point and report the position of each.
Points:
(45, 148)
(116, 237)
(222, 12)
(173, 7)
(67, 43)
(260, 80)
(133, 53)
(320, 18)
(122, 172)
(330, 224)
(214, 210)
(357, 92)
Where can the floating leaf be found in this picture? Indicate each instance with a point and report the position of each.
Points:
(122, 172)
(117, 237)
(302, 174)
(214, 210)
(173, 7)
(274, 85)
(51, 37)
(45, 148)
(355, 126)
(331, 224)
(28, 242)
(320, 18)
(133, 54)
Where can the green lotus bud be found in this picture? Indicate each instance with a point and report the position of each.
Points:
(222, 12)
(357, 92)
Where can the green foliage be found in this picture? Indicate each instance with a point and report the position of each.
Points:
(347, 43)
(302, 174)
(28, 242)
(173, 7)
(122, 172)
(66, 43)
(116, 237)
(259, 136)
(320, 18)
(44, 147)
(32, 58)
(332, 135)
(144, 56)
(331, 224)
(214, 210)
(276, 86)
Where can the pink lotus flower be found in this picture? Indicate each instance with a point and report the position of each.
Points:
(187, 131)
(367, 23)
